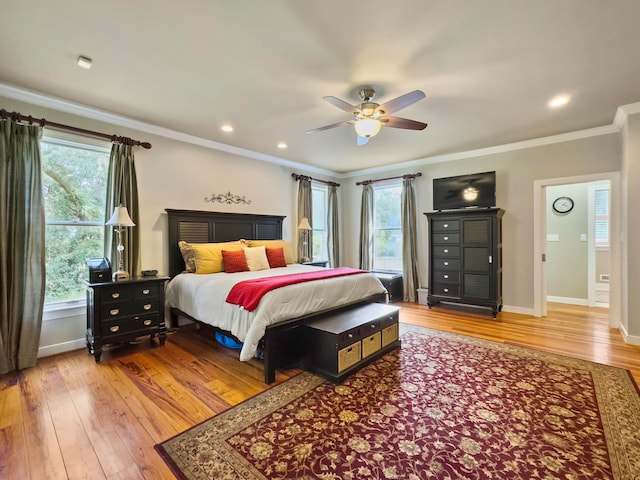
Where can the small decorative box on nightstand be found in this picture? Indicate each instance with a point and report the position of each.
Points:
(121, 311)
(393, 283)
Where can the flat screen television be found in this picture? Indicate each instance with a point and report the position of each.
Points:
(465, 191)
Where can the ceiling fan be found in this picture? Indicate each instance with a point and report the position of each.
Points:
(369, 116)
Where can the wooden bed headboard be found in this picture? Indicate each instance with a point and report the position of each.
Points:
(197, 226)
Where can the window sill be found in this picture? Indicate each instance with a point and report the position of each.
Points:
(56, 310)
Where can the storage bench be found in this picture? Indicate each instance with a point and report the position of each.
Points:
(341, 343)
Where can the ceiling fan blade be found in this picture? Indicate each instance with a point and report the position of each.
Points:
(362, 140)
(342, 105)
(401, 102)
(397, 122)
(333, 125)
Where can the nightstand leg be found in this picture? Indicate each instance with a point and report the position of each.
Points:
(162, 337)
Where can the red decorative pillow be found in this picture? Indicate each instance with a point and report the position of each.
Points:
(234, 261)
(276, 258)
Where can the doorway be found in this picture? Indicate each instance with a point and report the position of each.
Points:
(545, 193)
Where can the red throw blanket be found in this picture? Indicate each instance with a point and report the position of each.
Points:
(248, 293)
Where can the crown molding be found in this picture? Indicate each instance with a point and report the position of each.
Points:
(67, 106)
(55, 103)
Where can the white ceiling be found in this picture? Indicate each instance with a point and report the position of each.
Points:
(488, 68)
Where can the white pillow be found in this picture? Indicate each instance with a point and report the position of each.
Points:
(256, 258)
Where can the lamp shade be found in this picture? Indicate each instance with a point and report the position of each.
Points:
(121, 218)
(304, 224)
(368, 127)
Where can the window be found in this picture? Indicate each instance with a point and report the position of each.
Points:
(74, 184)
(319, 194)
(602, 218)
(387, 228)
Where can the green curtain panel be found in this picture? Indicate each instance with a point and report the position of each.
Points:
(333, 233)
(122, 189)
(304, 210)
(410, 276)
(366, 228)
(22, 250)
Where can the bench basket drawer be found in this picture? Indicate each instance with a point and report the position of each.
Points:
(349, 356)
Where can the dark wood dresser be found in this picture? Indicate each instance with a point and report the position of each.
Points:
(118, 312)
(465, 258)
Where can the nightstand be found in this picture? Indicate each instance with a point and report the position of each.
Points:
(317, 263)
(393, 283)
(119, 312)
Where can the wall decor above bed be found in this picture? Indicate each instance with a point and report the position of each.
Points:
(228, 198)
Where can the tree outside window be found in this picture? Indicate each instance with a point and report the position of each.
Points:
(74, 188)
(387, 228)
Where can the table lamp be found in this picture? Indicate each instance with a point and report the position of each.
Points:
(305, 227)
(120, 219)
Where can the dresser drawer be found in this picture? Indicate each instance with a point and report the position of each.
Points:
(446, 251)
(450, 264)
(371, 344)
(146, 291)
(117, 294)
(445, 226)
(130, 324)
(446, 290)
(440, 276)
(349, 356)
(446, 238)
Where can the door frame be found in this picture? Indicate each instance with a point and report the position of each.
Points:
(540, 235)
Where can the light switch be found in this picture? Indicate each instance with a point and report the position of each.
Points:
(583, 237)
(553, 237)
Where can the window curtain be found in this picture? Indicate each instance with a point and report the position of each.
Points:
(305, 250)
(22, 252)
(410, 276)
(333, 237)
(122, 189)
(366, 228)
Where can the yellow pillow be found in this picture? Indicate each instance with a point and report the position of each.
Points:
(286, 247)
(208, 256)
(256, 258)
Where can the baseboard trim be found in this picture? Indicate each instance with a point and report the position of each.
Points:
(49, 350)
(569, 300)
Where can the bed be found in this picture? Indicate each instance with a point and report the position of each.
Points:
(271, 330)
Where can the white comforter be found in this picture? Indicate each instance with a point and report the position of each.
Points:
(203, 297)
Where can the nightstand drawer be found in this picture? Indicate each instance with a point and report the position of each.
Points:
(146, 291)
(117, 293)
(130, 324)
(138, 307)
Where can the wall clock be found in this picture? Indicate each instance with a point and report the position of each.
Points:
(563, 204)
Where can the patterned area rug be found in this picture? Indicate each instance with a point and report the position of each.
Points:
(443, 406)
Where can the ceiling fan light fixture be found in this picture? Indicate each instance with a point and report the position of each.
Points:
(368, 127)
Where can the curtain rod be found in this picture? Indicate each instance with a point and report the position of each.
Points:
(409, 175)
(304, 177)
(59, 126)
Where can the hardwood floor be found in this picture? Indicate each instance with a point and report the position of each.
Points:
(71, 418)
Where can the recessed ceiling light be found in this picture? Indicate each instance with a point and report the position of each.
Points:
(84, 62)
(559, 101)
(282, 145)
(227, 128)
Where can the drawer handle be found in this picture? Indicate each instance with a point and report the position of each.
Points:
(147, 322)
(446, 238)
(446, 276)
(147, 306)
(446, 290)
(446, 225)
(114, 311)
(114, 329)
(146, 291)
(350, 335)
(373, 326)
(445, 263)
(115, 295)
(446, 250)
